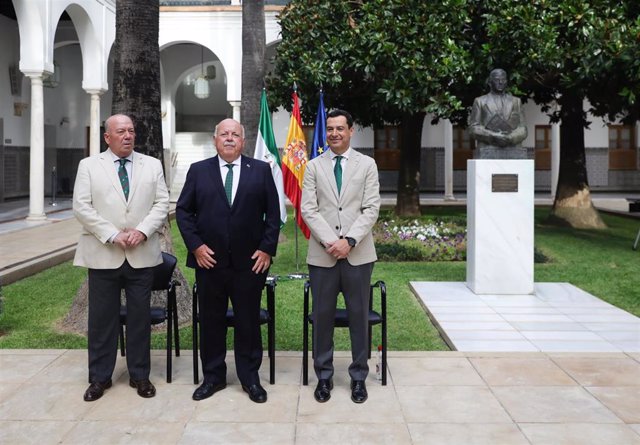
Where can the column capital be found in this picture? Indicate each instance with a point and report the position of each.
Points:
(34, 75)
(98, 91)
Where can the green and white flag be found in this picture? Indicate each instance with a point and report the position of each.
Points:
(266, 150)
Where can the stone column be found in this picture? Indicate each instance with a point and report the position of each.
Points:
(448, 161)
(94, 126)
(236, 109)
(555, 158)
(36, 155)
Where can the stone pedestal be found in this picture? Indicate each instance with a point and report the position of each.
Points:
(500, 203)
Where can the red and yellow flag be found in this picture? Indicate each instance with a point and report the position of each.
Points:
(294, 162)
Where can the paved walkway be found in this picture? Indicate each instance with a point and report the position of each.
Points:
(431, 398)
(558, 317)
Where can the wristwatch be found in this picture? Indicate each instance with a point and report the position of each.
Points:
(351, 241)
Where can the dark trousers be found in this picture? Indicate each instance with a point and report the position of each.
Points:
(244, 288)
(104, 320)
(326, 284)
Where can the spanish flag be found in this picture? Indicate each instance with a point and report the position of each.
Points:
(294, 162)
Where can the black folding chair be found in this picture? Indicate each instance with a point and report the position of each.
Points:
(267, 316)
(162, 280)
(342, 321)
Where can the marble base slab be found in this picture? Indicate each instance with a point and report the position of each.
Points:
(500, 226)
(557, 317)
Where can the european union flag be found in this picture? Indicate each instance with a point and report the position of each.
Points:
(320, 131)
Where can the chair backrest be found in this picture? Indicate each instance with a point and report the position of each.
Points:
(163, 272)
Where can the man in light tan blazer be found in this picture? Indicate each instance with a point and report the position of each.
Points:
(120, 197)
(340, 205)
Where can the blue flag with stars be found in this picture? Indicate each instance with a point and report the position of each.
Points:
(320, 131)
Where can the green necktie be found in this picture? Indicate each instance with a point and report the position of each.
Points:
(124, 177)
(228, 182)
(337, 171)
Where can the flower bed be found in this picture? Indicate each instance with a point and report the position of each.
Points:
(427, 239)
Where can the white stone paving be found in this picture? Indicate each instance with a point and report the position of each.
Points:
(558, 317)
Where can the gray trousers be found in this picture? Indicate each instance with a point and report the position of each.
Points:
(326, 284)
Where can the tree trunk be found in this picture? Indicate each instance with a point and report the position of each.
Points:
(408, 198)
(572, 205)
(136, 93)
(136, 72)
(253, 49)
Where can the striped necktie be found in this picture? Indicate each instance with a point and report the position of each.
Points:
(228, 183)
(124, 177)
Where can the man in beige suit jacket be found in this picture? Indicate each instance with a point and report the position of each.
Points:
(120, 197)
(340, 205)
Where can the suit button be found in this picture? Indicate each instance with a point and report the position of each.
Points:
(340, 209)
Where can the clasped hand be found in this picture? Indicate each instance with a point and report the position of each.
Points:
(339, 248)
(129, 238)
(204, 258)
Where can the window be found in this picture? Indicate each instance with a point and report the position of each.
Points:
(622, 149)
(387, 143)
(307, 130)
(387, 138)
(461, 138)
(543, 137)
(542, 152)
(463, 147)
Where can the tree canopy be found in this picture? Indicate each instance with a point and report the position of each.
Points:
(385, 61)
(394, 61)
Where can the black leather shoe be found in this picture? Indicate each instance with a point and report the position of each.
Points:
(207, 389)
(256, 393)
(358, 391)
(145, 387)
(96, 390)
(323, 390)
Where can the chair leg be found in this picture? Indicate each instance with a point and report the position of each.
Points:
(369, 343)
(272, 350)
(169, 338)
(305, 351)
(196, 378)
(384, 351)
(176, 334)
(121, 340)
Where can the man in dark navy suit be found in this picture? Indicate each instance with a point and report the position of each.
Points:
(229, 216)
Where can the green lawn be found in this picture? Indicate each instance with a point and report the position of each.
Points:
(600, 262)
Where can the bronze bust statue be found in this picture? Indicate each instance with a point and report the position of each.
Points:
(497, 121)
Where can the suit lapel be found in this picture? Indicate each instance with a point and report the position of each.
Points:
(136, 172)
(245, 177)
(352, 167)
(110, 170)
(216, 177)
(327, 169)
(508, 107)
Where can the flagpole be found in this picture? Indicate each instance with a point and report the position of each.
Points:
(295, 131)
(295, 218)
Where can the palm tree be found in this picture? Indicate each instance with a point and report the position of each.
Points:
(136, 72)
(253, 48)
(136, 93)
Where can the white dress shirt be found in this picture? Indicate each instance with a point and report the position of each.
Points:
(224, 170)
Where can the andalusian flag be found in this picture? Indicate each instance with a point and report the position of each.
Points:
(294, 162)
(266, 150)
(319, 145)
